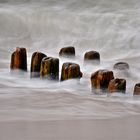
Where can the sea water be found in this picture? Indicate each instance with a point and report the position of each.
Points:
(110, 27)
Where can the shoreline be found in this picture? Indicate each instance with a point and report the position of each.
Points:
(124, 128)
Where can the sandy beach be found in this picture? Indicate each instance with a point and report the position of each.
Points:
(126, 128)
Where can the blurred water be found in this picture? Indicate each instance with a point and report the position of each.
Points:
(110, 27)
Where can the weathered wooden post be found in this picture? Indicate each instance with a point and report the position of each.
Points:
(70, 71)
(67, 51)
(36, 64)
(100, 80)
(50, 68)
(117, 85)
(92, 57)
(121, 66)
(19, 59)
(137, 89)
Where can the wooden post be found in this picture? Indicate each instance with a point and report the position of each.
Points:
(19, 59)
(36, 63)
(137, 89)
(70, 71)
(50, 68)
(117, 85)
(100, 80)
(92, 57)
(67, 52)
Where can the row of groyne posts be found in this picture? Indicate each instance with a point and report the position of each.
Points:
(48, 68)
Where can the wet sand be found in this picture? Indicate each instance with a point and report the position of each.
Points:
(126, 128)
